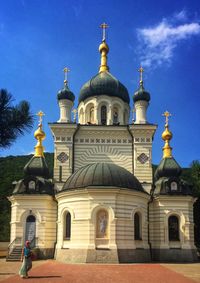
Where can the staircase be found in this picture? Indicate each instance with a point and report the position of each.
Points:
(15, 254)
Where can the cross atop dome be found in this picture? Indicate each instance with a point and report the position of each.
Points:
(166, 114)
(141, 71)
(66, 71)
(40, 114)
(104, 26)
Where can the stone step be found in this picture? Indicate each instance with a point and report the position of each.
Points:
(15, 254)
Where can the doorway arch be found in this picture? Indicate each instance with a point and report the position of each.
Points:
(30, 232)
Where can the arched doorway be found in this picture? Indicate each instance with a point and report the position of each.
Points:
(30, 229)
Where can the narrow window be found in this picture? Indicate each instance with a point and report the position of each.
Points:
(92, 115)
(103, 115)
(68, 226)
(137, 227)
(173, 227)
(60, 173)
(115, 116)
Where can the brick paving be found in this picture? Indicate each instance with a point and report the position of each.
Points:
(54, 271)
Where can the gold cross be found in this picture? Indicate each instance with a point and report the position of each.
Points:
(66, 71)
(167, 115)
(104, 26)
(40, 114)
(141, 71)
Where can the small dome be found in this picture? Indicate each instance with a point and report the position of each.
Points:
(39, 133)
(104, 84)
(168, 167)
(37, 167)
(66, 93)
(103, 46)
(167, 135)
(102, 174)
(141, 94)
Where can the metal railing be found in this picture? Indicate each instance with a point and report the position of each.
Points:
(16, 242)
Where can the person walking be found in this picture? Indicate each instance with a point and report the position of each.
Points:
(26, 260)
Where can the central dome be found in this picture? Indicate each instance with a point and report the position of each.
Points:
(103, 174)
(104, 83)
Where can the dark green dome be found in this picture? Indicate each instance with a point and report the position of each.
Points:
(103, 174)
(104, 84)
(168, 167)
(141, 94)
(66, 93)
(37, 167)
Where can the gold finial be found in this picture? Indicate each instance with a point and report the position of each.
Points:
(167, 136)
(141, 71)
(104, 26)
(103, 49)
(40, 136)
(66, 71)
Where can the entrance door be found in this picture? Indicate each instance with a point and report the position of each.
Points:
(30, 230)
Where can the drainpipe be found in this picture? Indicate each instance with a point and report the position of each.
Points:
(132, 148)
(55, 243)
(149, 242)
(73, 147)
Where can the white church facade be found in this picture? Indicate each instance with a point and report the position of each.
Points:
(104, 203)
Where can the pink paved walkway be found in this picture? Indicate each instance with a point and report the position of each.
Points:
(53, 271)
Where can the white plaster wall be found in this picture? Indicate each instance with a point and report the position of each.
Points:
(160, 210)
(84, 204)
(105, 144)
(44, 208)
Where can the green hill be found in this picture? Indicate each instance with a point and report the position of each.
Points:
(11, 169)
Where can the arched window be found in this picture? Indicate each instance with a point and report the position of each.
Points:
(102, 224)
(103, 115)
(174, 186)
(137, 227)
(68, 226)
(173, 228)
(92, 115)
(115, 116)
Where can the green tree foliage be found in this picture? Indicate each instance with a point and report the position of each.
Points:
(11, 169)
(192, 176)
(195, 178)
(14, 120)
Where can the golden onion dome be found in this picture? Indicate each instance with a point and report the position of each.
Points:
(167, 135)
(103, 47)
(39, 134)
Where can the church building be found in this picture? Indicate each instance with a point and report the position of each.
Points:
(104, 204)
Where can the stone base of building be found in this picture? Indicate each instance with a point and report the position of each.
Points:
(102, 255)
(44, 253)
(174, 255)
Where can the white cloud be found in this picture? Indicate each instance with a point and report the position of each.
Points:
(181, 16)
(158, 43)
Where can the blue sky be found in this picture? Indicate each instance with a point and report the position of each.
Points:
(39, 38)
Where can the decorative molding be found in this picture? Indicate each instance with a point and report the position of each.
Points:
(143, 158)
(62, 157)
